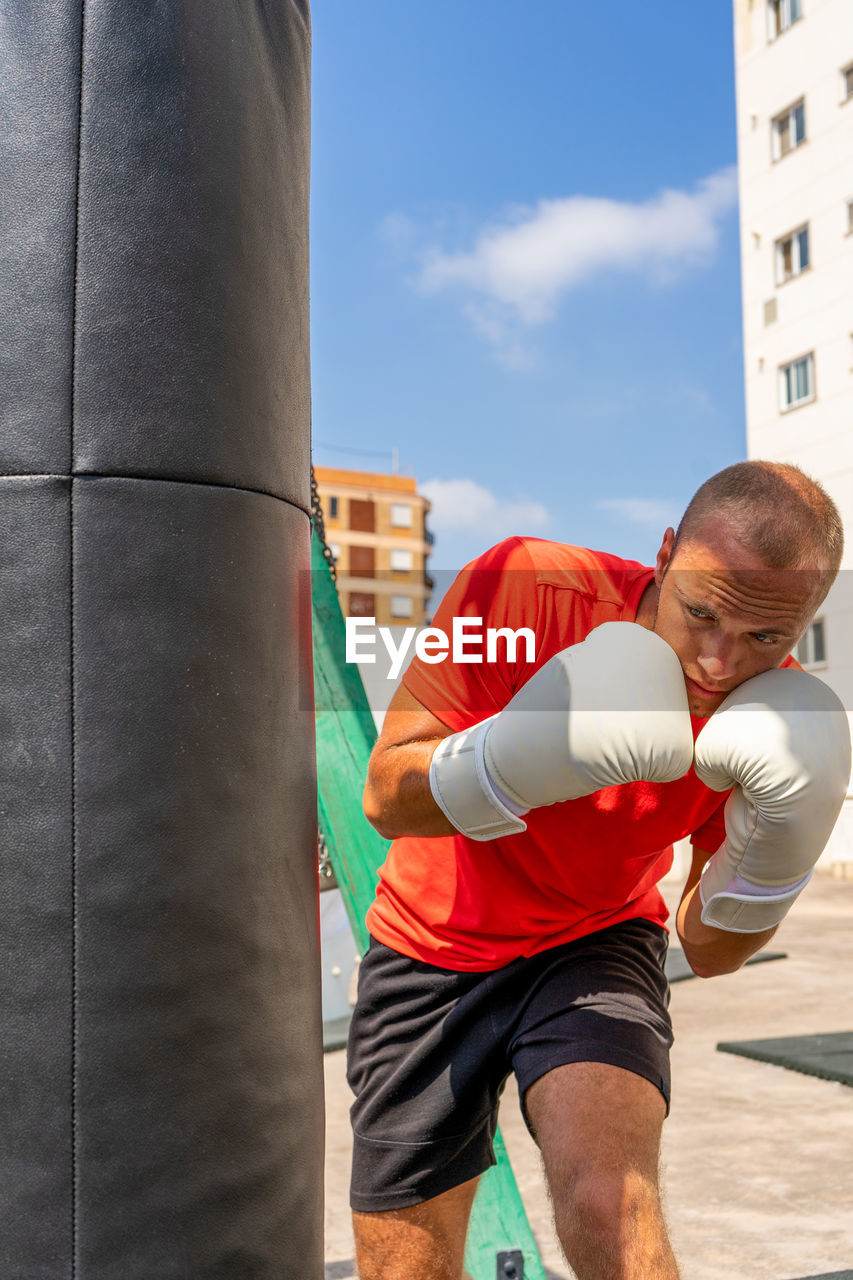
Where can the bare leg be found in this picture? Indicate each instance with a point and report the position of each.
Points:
(424, 1242)
(599, 1129)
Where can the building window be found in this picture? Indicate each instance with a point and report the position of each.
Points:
(362, 604)
(362, 562)
(789, 129)
(362, 515)
(771, 311)
(850, 217)
(792, 255)
(796, 382)
(401, 515)
(333, 508)
(811, 650)
(335, 548)
(402, 561)
(847, 83)
(781, 14)
(402, 606)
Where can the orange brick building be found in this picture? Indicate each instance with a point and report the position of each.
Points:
(376, 529)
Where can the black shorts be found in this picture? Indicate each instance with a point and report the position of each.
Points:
(430, 1050)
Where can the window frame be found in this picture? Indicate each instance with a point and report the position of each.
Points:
(846, 83)
(779, 19)
(808, 359)
(794, 238)
(806, 647)
(402, 552)
(396, 598)
(361, 561)
(369, 599)
(396, 508)
(787, 114)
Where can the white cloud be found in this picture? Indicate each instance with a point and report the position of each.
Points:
(655, 513)
(464, 506)
(398, 232)
(520, 267)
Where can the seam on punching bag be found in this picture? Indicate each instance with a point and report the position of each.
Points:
(99, 475)
(74, 902)
(75, 1027)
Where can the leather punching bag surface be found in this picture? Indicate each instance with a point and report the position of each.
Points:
(160, 1034)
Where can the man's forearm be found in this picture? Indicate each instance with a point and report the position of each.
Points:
(710, 951)
(397, 798)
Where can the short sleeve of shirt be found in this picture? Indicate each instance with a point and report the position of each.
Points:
(712, 833)
(492, 596)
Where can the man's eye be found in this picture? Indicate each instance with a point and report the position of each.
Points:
(762, 638)
(697, 613)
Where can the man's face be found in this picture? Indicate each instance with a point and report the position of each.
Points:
(725, 613)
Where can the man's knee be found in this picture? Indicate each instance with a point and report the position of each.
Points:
(605, 1200)
(611, 1221)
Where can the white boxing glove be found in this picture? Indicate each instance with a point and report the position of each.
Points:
(610, 710)
(782, 740)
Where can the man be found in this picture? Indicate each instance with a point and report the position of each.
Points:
(517, 925)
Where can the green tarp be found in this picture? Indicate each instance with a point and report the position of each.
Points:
(345, 735)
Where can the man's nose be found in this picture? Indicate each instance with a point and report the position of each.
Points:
(717, 659)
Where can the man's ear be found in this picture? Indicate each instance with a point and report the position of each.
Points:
(664, 555)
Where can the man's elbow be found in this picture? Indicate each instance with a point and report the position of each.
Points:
(722, 952)
(710, 951)
(376, 810)
(711, 966)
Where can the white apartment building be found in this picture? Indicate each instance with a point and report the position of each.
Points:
(794, 79)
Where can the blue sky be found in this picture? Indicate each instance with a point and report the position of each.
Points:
(525, 273)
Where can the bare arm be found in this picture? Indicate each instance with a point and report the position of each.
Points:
(397, 797)
(709, 951)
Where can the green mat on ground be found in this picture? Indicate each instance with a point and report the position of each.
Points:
(831, 1275)
(828, 1056)
(678, 970)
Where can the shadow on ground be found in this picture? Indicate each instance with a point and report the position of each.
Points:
(346, 1271)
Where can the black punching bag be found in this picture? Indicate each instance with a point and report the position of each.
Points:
(160, 1036)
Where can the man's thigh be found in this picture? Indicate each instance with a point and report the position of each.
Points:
(603, 999)
(588, 1117)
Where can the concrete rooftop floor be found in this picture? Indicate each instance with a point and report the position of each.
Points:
(757, 1159)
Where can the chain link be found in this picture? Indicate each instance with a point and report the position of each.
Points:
(324, 863)
(320, 525)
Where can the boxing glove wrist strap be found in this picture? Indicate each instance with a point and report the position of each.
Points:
(464, 790)
(743, 907)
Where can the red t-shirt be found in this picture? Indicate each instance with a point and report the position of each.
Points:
(581, 865)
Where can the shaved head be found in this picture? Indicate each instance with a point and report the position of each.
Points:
(776, 512)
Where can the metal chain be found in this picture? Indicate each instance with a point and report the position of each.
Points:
(320, 525)
(324, 863)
